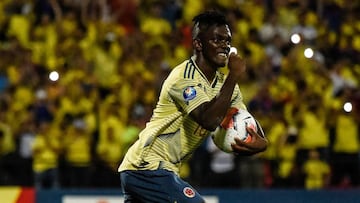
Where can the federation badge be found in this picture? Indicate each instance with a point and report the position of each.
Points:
(189, 93)
(188, 192)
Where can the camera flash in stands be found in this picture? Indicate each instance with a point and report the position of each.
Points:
(348, 107)
(54, 76)
(233, 50)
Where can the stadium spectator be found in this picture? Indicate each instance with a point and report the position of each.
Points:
(76, 145)
(345, 145)
(316, 171)
(287, 173)
(311, 136)
(46, 149)
(110, 147)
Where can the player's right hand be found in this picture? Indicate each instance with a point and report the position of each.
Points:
(236, 65)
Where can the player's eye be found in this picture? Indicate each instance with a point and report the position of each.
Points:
(220, 41)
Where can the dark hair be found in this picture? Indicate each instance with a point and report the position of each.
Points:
(205, 20)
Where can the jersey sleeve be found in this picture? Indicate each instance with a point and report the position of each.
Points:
(237, 99)
(187, 94)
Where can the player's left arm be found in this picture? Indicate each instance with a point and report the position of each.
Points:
(257, 144)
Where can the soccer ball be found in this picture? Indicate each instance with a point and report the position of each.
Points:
(233, 125)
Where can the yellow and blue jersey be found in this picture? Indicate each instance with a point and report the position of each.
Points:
(172, 135)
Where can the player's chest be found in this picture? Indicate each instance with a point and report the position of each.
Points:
(210, 89)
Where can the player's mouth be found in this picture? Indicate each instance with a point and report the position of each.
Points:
(224, 55)
(222, 58)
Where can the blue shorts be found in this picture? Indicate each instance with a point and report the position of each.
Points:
(157, 186)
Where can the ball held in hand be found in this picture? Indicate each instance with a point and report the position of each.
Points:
(233, 125)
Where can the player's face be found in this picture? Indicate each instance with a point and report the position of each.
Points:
(216, 45)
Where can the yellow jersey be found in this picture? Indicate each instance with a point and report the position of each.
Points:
(171, 135)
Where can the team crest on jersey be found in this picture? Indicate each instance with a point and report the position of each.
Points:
(189, 93)
(189, 192)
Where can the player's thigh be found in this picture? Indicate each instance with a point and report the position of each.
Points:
(143, 186)
(157, 186)
(181, 191)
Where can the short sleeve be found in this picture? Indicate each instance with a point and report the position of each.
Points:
(237, 99)
(188, 95)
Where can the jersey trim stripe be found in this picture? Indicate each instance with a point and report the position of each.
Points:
(189, 70)
(201, 73)
(214, 84)
(193, 69)
(186, 69)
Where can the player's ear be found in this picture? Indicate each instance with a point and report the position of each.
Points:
(197, 44)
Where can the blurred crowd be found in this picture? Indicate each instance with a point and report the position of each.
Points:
(79, 79)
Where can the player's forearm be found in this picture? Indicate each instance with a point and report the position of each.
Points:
(211, 114)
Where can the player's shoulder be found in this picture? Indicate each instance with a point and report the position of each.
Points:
(184, 72)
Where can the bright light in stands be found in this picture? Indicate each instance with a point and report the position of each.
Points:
(54, 76)
(348, 107)
(295, 38)
(308, 53)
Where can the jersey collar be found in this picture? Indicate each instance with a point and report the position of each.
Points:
(218, 75)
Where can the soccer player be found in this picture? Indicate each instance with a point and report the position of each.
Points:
(194, 100)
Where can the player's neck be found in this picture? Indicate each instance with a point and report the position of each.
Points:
(208, 70)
